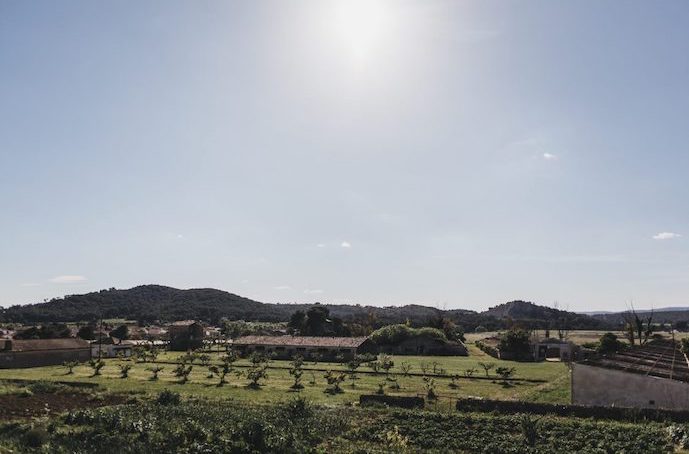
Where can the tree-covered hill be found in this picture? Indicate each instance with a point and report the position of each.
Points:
(149, 303)
(555, 318)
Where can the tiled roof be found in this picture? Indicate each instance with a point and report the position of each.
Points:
(30, 345)
(659, 358)
(302, 341)
(110, 341)
(183, 323)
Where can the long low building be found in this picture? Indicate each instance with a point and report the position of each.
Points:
(655, 375)
(15, 353)
(306, 346)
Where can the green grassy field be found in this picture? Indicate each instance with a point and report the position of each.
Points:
(542, 382)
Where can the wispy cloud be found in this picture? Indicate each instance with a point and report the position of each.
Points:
(549, 157)
(314, 291)
(320, 245)
(68, 279)
(666, 236)
(345, 245)
(283, 287)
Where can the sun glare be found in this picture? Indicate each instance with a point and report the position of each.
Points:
(361, 25)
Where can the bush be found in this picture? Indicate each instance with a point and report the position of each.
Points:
(395, 334)
(45, 387)
(516, 342)
(35, 438)
(298, 408)
(167, 397)
(609, 344)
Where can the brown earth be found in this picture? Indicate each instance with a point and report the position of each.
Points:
(40, 404)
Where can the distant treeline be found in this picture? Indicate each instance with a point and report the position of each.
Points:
(154, 303)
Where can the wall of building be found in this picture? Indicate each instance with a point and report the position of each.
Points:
(15, 360)
(110, 351)
(597, 386)
(288, 351)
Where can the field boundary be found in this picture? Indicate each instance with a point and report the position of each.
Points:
(474, 405)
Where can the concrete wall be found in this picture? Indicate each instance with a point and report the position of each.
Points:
(597, 386)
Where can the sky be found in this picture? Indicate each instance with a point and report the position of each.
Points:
(452, 154)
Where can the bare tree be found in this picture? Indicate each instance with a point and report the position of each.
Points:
(637, 328)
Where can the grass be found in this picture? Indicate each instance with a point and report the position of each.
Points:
(551, 380)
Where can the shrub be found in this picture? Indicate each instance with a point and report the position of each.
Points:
(124, 370)
(154, 372)
(334, 380)
(516, 342)
(70, 365)
(395, 334)
(298, 408)
(167, 397)
(609, 344)
(45, 387)
(35, 438)
(505, 372)
(96, 365)
(529, 428)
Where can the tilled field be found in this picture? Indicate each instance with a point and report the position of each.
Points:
(14, 406)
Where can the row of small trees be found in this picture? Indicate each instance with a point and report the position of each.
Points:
(259, 364)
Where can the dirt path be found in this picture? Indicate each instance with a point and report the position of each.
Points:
(40, 404)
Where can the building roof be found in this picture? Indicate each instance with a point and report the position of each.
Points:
(302, 341)
(184, 323)
(32, 345)
(658, 358)
(110, 341)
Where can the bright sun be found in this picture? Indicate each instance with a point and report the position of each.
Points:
(361, 25)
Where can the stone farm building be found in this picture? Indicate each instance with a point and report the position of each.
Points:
(539, 350)
(654, 375)
(288, 346)
(42, 352)
(186, 335)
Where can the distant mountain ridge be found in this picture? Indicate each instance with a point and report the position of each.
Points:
(156, 302)
(664, 315)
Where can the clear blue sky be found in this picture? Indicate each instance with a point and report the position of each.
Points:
(455, 154)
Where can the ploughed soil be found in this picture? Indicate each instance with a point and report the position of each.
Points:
(17, 406)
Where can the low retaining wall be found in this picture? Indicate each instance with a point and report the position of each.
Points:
(580, 411)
